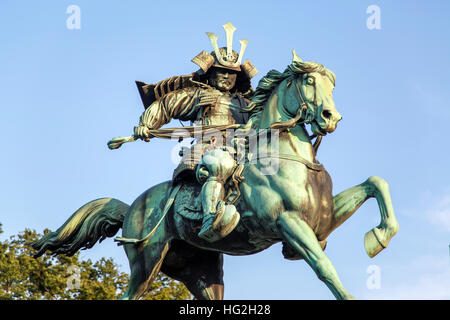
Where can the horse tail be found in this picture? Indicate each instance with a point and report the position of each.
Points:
(95, 220)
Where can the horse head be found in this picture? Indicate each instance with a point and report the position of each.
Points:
(309, 90)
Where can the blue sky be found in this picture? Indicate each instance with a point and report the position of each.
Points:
(64, 93)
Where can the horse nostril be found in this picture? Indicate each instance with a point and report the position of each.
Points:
(326, 114)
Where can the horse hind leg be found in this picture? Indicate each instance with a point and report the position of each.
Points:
(302, 238)
(145, 264)
(145, 260)
(348, 201)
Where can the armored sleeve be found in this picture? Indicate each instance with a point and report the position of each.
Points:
(181, 104)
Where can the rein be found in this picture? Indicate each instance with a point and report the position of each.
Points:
(316, 166)
(292, 123)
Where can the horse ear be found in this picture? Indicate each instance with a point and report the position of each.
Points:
(295, 58)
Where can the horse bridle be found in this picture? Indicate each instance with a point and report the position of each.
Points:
(316, 166)
(304, 107)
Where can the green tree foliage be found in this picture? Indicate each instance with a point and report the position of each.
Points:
(63, 277)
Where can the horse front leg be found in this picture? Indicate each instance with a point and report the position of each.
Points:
(302, 238)
(348, 201)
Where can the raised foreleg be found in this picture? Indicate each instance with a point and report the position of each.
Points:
(348, 201)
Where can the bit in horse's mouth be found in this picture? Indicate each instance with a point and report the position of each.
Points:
(323, 132)
(317, 130)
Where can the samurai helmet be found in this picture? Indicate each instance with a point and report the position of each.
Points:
(225, 57)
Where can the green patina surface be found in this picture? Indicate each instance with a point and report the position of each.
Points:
(284, 197)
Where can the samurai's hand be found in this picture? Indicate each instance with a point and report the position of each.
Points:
(208, 97)
(142, 132)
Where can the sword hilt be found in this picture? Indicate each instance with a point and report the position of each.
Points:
(117, 142)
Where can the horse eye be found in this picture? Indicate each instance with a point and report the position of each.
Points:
(310, 80)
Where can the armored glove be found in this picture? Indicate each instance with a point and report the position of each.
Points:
(142, 132)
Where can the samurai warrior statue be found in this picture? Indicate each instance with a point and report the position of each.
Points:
(214, 96)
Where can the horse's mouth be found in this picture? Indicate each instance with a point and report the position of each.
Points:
(317, 130)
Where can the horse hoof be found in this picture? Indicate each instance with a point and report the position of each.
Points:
(371, 243)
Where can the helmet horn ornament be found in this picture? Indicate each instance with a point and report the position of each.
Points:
(241, 53)
(228, 59)
(229, 30)
(225, 58)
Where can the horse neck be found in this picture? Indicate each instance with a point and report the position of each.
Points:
(294, 141)
(274, 110)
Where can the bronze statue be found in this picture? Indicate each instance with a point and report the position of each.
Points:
(216, 95)
(241, 204)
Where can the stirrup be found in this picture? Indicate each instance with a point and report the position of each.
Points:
(218, 226)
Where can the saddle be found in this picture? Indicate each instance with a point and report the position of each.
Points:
(187, 202)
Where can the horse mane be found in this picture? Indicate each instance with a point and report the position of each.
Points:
(273, 78)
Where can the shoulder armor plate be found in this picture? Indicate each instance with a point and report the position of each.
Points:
(152, 92)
